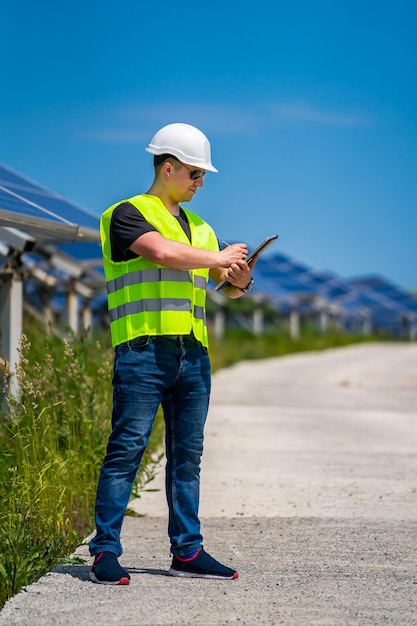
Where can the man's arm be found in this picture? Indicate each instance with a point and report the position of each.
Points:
(176, 255)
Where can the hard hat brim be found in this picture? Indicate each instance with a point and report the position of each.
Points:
(187, 160)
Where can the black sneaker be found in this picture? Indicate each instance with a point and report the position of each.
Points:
(201, 566)
(107, 571)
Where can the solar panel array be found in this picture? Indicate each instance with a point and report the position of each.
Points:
(293, 285)
(285, 282)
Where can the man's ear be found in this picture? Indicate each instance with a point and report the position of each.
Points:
(167, 169)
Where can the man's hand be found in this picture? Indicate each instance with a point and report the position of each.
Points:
(235, 253)
(239, 274)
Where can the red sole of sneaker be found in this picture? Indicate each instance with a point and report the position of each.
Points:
(122, 581)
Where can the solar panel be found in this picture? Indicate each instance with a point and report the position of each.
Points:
(406, 300)
(39, 211)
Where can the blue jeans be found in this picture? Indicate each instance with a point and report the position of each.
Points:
(149, 371)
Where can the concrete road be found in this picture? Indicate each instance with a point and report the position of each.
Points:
(309, 485)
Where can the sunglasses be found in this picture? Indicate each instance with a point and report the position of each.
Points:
(195, 174)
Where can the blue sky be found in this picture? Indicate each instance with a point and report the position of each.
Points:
(310, 107)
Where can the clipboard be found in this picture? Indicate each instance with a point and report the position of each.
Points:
(258, 250)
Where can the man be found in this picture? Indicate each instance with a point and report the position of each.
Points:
(158, 257)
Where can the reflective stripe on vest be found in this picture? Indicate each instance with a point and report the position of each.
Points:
(154, 276)
(141, 306)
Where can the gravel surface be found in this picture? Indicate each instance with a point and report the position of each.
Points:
(309, 485)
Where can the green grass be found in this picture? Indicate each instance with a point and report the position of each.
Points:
(239, 345)
(52, 444)
(53, 440)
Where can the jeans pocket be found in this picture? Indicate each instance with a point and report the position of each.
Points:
(138, 343)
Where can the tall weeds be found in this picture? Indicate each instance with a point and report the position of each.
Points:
(52, 443)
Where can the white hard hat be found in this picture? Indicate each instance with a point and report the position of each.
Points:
(185, 142)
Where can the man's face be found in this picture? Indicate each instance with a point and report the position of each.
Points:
(185, 180)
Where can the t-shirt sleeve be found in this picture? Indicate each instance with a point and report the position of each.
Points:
(127, 224)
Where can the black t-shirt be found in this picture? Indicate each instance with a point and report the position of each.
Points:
(127, 224)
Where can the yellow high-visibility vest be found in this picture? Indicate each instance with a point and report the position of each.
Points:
(145, 298)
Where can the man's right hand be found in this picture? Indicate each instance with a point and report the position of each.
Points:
(232, 254)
